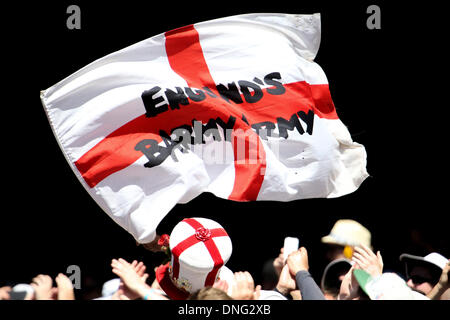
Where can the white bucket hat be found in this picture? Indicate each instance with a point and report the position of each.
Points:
(434, 261)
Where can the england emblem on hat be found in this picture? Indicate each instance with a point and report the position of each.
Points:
(199, 248)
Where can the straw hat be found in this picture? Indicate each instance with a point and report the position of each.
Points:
(348, 232)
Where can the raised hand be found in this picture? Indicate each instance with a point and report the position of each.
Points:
(42, 285)
(132, 276)
(65, 288)
(244, 287)
(368, 261)
(4, 293)
(286, 281)
(349, 286)
(442, 285)
(298, 261)
(278, 262)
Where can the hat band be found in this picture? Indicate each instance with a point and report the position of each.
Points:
(341, 239)
(208, 242)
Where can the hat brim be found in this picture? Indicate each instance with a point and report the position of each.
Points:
(332, 240)
(411, 260)
(405, 257)
(165, 282)
(333, 266)
(173, 292)
(329, 239)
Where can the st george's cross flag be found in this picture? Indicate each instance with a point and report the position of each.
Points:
(234, 106)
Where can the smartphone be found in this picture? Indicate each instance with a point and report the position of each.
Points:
(290, 245)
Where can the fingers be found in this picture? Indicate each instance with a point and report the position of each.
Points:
(298, 260)
(249, 279)
(360, 257)
(121, 264)
(117, 268)
(299, 253)
(238, 277)
(243, 286)
(366, 255)
(63, 282)
(42, 285)
(257, 293)
(140, 268)
(360, 261)
(244, 279)
(364, 251)
(114, 263)
(125, 262)
(364, 258)
(4, 293)
(380, 258)
(135, 265)
(118, 272)
(221, 285)
(60, 278)
(122, 268)
(42, 279)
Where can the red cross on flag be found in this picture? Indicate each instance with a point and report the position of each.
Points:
(199, 250)
(234, 106)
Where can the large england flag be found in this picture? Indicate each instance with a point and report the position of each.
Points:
(234, 106)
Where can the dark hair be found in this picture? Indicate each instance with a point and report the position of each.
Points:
(209, 293)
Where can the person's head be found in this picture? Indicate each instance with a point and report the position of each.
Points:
(423, 273)
(345, 234)
(199, 249)
(332, 277)
(209, 293)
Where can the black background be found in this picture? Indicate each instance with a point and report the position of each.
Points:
(388, 85)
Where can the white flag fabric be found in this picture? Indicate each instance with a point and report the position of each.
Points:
(234, 106)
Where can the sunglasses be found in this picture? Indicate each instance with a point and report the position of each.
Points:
(419, 279)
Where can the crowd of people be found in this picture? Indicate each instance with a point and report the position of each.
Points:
(354, 272)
